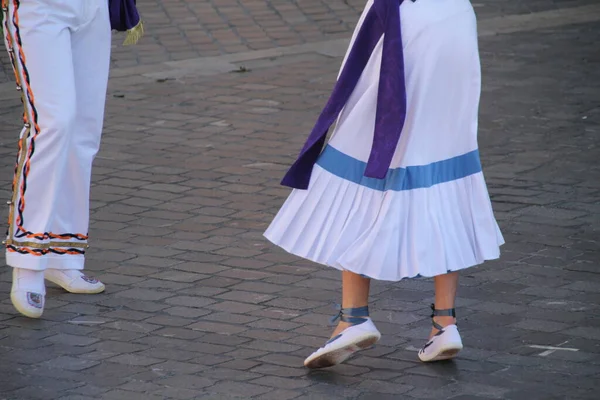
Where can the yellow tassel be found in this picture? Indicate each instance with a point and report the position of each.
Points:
(134, 34)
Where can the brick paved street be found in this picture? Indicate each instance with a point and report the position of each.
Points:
(203, 118)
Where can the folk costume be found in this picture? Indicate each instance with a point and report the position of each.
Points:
(398, 190)
(60, 51)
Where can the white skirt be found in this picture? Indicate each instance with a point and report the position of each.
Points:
(432, 213)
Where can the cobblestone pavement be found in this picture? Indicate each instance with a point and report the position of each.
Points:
(199, 306)
(184, 29)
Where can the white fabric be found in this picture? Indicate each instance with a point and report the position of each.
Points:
(61, 53)
(391, 235)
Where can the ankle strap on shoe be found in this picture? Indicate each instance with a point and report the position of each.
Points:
(450, 312)
(353, 316)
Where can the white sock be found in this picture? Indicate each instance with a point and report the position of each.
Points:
(30, 280)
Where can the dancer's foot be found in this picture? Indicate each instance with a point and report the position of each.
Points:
(355, 332)
(74, 281)
(444, 342)
(28, 292)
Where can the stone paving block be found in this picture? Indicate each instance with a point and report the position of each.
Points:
(13, 384)
(271, 346)
(193, 346)
(294, 303)
(189, 301)
(128, 315)
(529, 394)
(313, 294)
(144, 294)
(384, 387)
(330, 386)
(71, 340)
(156, 262)
(274, 324)
(132, 326)
(281, 394)
(215, 327)
(497, 308)
(470, 390)
(187, 382)
(168, 320)
(380, 363)
(177, 367)
(230, 318)
(176, 393)
(186, 333)
(560, 382)
(246, 297)
(584, 332)
(134, 359)
(282, 360)
(13, 342)
(277, 370)
(239, 388)
(164, 285)
(583, 287)
(34, 393)
(227, 374)
(119, 394)
(70, 363)
(202, 291)
(220, 282)
(38, 331)
(283, 383)
(139, 386)
(240, 364)
(186, 312)
(179, 276)
(88, 390)
(541, 325)
(31, 356)
(279, 313)
(234, 307)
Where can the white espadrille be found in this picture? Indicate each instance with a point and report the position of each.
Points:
(361, 335)
(28, 293)
(74, 281)
(445, 344)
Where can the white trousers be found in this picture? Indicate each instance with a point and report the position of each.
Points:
(60, 50)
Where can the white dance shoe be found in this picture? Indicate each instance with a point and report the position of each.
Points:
(362, 334)
(445, 344)
(74, 281)
(28, 293)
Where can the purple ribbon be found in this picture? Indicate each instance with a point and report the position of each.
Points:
(123, 14)
(382, 18)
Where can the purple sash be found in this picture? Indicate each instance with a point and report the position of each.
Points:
(123, 15)
(382, 18)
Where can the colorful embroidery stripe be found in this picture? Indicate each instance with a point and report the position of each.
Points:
(46, 245)
(41, 252)
(18, 163)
